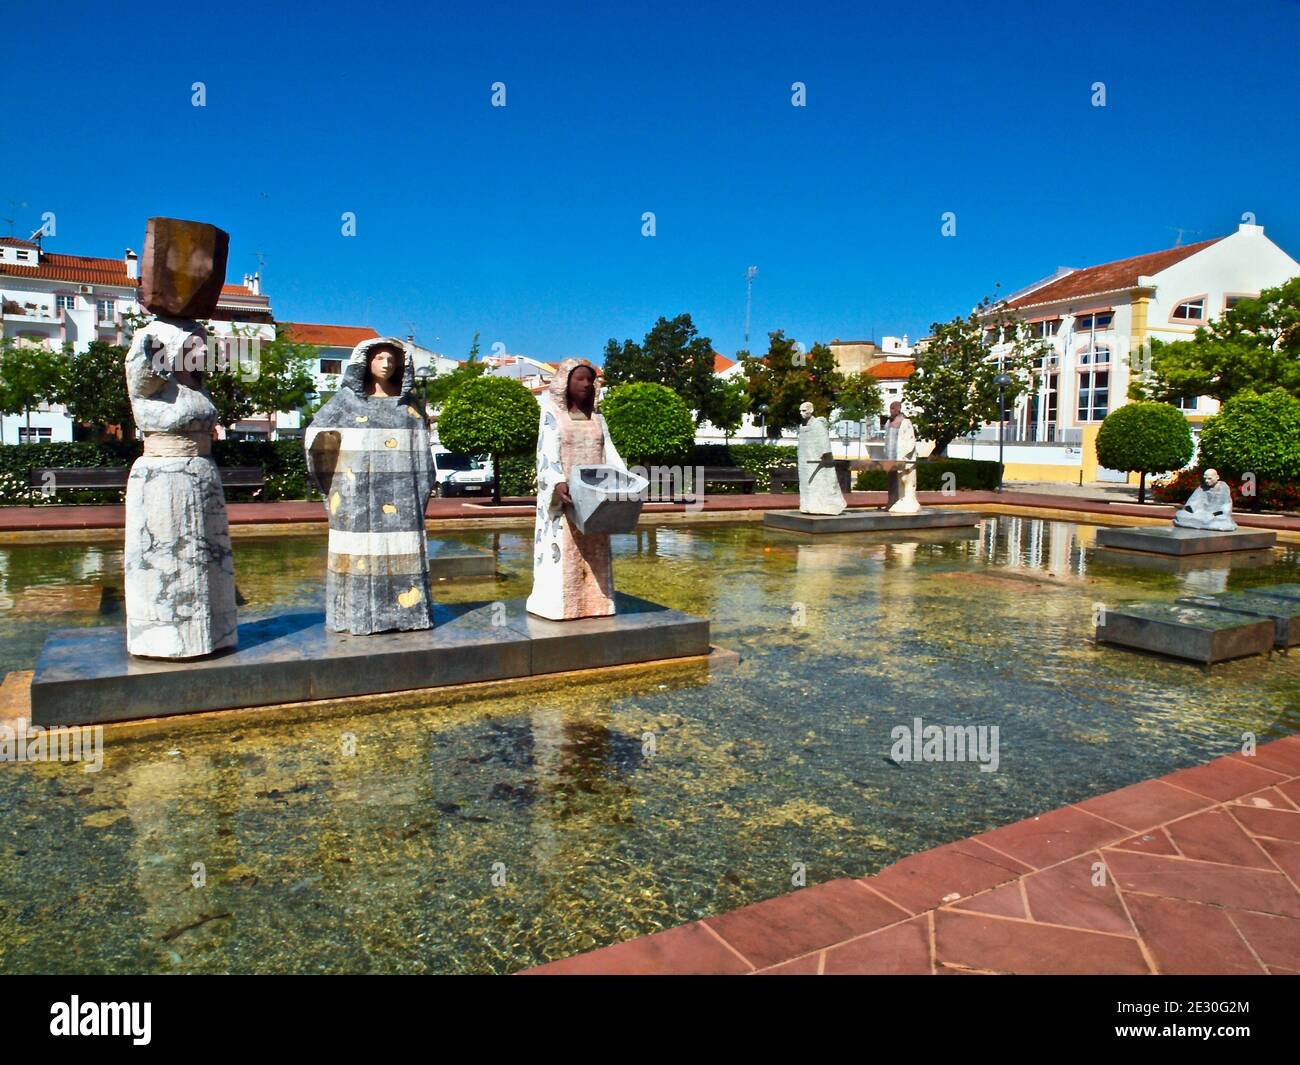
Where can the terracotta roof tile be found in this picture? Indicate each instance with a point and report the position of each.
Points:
(329, 336)
(86, 269)
(721, 362)
(1109, 277)
(892, 371)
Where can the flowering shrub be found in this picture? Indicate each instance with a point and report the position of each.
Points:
(1269, 495)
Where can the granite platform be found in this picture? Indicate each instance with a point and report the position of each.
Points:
(1180, 630)
(1284, 591)
(1217, 560)
(1172, 540)
(864, 520)
(448, 558)
(85, 676)
(1284, 613)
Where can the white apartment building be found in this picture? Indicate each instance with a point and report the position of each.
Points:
(53, 299)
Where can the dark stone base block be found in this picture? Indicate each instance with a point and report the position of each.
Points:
(1277, 591)
(1217, 560)
(1284, 613)
(1182, 631)
(447, 558)
(868, 520)
(1171, 540)
(85, 676)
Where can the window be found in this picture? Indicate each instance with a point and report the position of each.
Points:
(1042, 400)
(1086, 323)
(1094, 395)
(1186, 402)
(1043, 330)
(1097, 354)
(1190, 311)
(38, 435)
(106, 309)
(1231, 300)
(331, 366)
(23, 255)
(65, 302)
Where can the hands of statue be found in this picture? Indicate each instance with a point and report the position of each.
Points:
(562, 493)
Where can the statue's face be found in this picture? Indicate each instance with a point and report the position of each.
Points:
(1210, 479)
(895, 409)
(805, 411)
(582, 385)
(383, 364)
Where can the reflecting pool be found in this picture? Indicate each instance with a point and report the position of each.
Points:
(490, 829)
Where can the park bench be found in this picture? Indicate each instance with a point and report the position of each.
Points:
(785, 475)
(730, 475)
(86, 477)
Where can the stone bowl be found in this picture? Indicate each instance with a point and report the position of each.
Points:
(606, 499)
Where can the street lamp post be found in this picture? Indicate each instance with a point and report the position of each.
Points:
(1002, 380)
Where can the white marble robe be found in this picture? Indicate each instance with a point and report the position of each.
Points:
(819, 488)
(900, 446)
(1207, 509)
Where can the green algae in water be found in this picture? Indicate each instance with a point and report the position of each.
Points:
(488, 831)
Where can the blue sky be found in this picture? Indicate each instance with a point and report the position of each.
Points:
(523, 223)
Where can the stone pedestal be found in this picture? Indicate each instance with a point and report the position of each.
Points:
(447, 558)
(863, 520)
(1178, 630)
(1172, 540)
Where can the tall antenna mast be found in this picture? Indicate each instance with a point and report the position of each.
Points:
(750, 274)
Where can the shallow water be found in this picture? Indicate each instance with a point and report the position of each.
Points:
(489, 831)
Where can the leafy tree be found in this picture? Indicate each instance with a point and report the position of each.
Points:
(787, 377)
(648, 422)
(730, 406)
(954, 389)
(1147, 437)
(1255, 433)
(30, 374)
(281, 378)
(859, 398)
(494, 416)
(94, 387)
(440, 386)
(673, 354)
(1253, 345)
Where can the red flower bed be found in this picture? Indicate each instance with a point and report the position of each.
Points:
(1269, 495)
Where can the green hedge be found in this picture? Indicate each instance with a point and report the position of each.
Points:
(519, 475)
(975, 474)
(759, 460)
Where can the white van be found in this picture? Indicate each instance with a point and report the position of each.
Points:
(460, 475)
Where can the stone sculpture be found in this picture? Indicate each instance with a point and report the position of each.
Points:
(819, 487)
(179, 570)
(368, 453)
(900, 448)
(1209, 507)
(573, 572)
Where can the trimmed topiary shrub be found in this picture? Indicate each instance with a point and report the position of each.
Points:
(1255, 434)
(968, 474)
(1146, 437)
(649, 423)
(494, 416)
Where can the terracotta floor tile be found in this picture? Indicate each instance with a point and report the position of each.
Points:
(1277, 824)
(924, 881)
(1219, 885)
(1066, 894)
(1291, 789)
(901, 950)
(1005, 901)
(1053, 837)
(805, 966)
(1275, 939)
(1281, 756)
(1213, 836)
(806, 920)
(1153, 842)
(1268, 799)
(687, 949)
(1224, 778)
(1022, 947)
(1186, 938)
(1144, 805)
(1285, 855)
(1278, 971)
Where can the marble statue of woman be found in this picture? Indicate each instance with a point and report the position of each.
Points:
(573, 572)
(900, 446)
(368, 453)
(180, 576)
(1209, 507)
(819, 486)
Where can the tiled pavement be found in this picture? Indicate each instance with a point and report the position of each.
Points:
(1196, 872)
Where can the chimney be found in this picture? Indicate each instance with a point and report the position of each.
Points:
(132, 265)
(253, 282)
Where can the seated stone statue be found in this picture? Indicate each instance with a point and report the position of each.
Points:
(1209, 507)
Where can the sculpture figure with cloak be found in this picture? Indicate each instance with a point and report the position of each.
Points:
(900, 447)
(1209, 507)
(573, 572)
(819, 486)
(368, 453)
(179, 569)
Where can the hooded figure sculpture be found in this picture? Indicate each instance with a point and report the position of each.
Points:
(368, 453)
(573, 573)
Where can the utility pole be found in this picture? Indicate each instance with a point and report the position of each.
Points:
(750, 274)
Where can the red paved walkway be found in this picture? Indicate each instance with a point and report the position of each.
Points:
(18, 519)
(1197, 872)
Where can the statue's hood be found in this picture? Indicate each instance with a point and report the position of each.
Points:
(354, 377)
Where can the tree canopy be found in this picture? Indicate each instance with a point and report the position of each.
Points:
(787, 377)
(648, 422)
(1147, 437)
(672, 354)
(494, 416)
(1255, 433)
(94, 387)
(30, 374)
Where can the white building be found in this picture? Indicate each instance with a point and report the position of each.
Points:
(53, 299)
